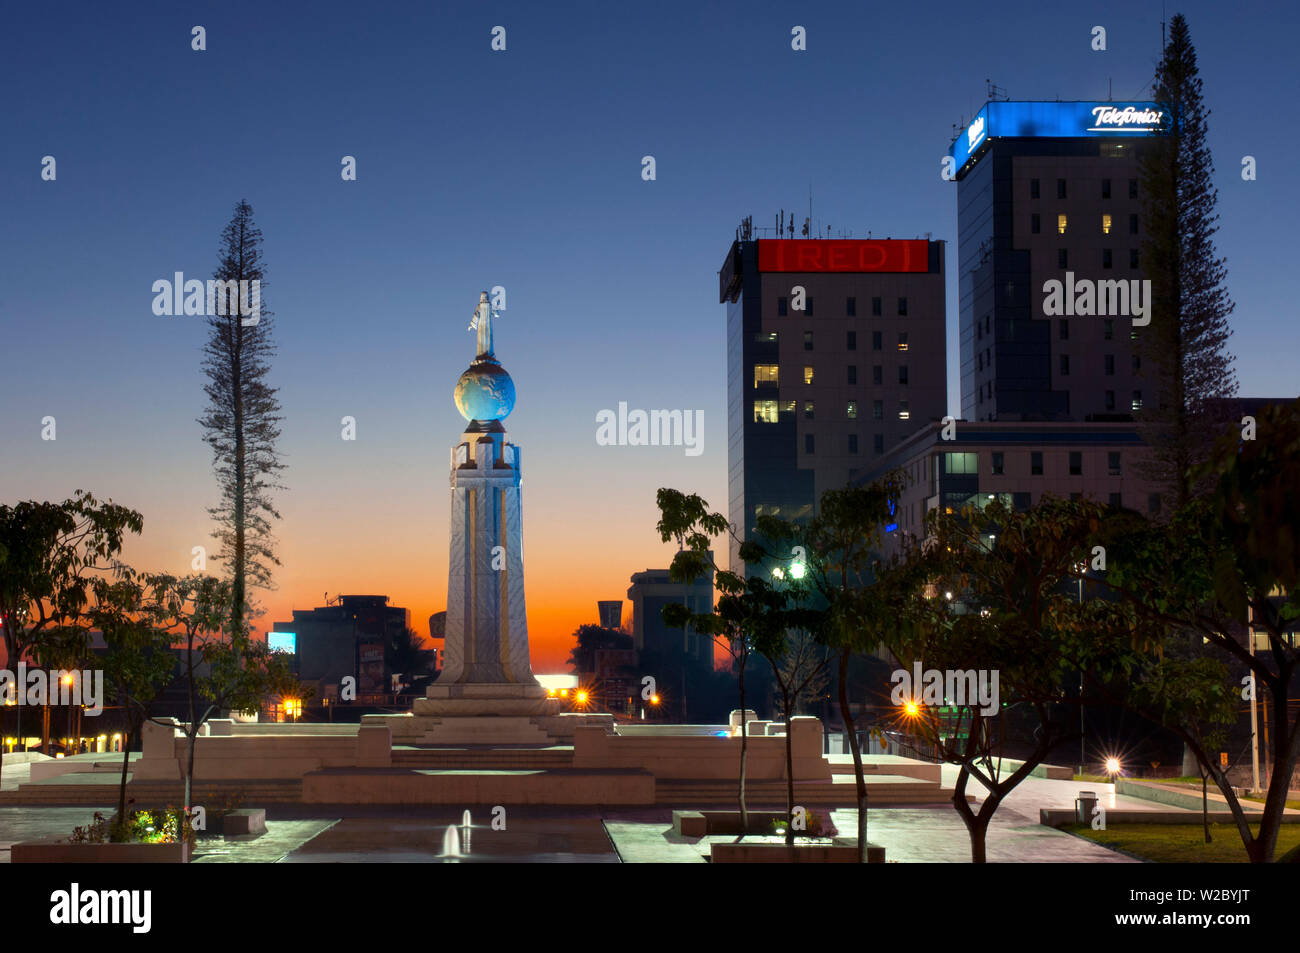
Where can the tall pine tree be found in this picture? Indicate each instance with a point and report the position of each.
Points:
(242, 421)
(1184, 348)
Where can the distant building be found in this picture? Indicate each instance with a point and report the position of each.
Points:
(1017, 463)
(348, 638)
(611, 612)
(651, 636)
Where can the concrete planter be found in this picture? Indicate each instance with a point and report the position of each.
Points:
(62, 852)
(702, 823)
(836, 852)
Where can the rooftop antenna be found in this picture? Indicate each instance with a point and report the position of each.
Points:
(993, 91)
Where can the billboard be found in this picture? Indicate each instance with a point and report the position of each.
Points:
(282, 642)
(1081, 120)
(843, 254)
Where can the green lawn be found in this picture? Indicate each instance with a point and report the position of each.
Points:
(1183, 843)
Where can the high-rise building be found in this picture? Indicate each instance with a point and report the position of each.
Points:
(835, 352)
(1051, 191)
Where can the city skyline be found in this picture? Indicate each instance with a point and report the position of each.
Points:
(471, 174)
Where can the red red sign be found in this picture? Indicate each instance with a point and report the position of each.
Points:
(826, 254)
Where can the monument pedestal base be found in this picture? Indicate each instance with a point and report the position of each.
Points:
(487, 714)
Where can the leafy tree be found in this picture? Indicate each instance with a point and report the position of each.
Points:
(218, 674)
(864, 594)
(241, 424)
(406, 653)
(1184, 347)
(1224, 565)
(589, 640)
(50, 555)
(998, 604)
(745, 610)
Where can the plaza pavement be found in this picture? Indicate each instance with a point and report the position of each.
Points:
(308, 834)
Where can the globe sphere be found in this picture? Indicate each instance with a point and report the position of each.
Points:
(485, 392)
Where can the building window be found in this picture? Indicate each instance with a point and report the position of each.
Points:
(1132, 188)
(851, 342)
(1062, 259)
(1063, 329)
(765, 337)
(961, 464)
(782, 307)
(903, 412)
(853, 410)
(877, 341)
(807, 374)
(979, 361)
(853, 443)
(1153, 503)
(851, 307)
(766, 374)
(877, 410)
(1115, 500)
(876, 307)
(1105, 189)
(853, 374)
(1137, 400)
(765, 412)
(1108, 328)
(878, 443)
(1061, 222)
(1110, 400)
(1035, 224)
(1036, 463)
(1137, 363)
(1020, 501)
(1076, 463)
(808, 445)
(1112, 463)
(1133, 258)
(1132, 224)
(1060, 188)
(1105, 224)
(788, 406)
(1109, 362)
(902, 307)
(998, 463)
(808, 306)
(902, 340)
(1065, 365)
(902, 374)
(807, 410)
(877, 374)
(1033, 188)
(1106, 261)
(807, 341)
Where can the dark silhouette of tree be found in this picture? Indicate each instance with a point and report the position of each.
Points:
(1184, 348)
(241, 424)
(589, 639)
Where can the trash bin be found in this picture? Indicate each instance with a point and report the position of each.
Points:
(1083, 806)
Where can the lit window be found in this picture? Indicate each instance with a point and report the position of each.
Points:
(808, 374)
(808, 409)
(1137, 400)
(903, 412)
(1105, 224)
(877, 410)
(788, 406)
(765, 411)
(853, 410)
(765, 374)
(902, 340)
(1060, 224)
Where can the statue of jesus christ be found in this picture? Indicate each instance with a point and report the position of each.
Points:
(482, 321)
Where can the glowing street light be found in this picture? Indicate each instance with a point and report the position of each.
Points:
(911, 709)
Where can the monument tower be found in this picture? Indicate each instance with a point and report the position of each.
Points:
(486, 693)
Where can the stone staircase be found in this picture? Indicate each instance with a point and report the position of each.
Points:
(885, 790)
(483, 759)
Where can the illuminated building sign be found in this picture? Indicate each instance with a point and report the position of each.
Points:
(282, 642)
(826, 254)
(999, 120)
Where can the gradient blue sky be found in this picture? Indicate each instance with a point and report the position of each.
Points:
(521, 169)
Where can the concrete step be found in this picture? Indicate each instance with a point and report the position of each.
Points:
(484, 758)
